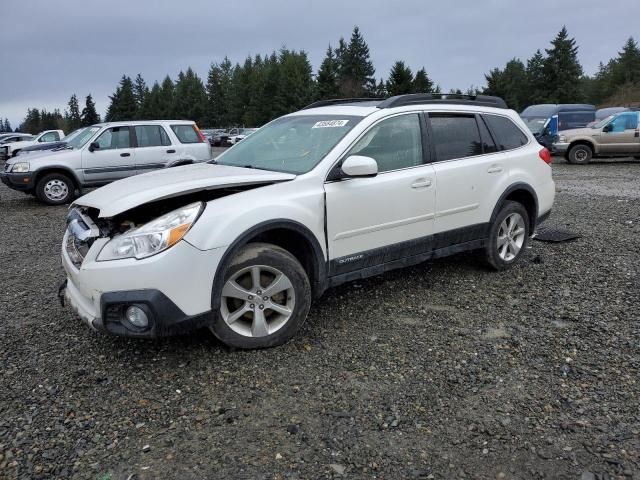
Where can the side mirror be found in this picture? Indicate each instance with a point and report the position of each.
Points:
(607, 128)
(94, 146)
(359, 166)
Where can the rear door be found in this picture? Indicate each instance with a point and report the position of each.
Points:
(624, 137)
(468, 166)
(153, 148)
(191, 143)
(113, 159)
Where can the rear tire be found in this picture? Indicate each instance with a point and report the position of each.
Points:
(264, 300)
(508, 236)
(55, 189)
(580, 154)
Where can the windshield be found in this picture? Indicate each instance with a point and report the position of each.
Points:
(73, 135)
(535, 124)
(602, 123)
(293, 144)
(82, 137)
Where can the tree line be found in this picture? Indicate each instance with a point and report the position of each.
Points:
(5, 126)
(264, 87)
(556, 76)
(73, 118)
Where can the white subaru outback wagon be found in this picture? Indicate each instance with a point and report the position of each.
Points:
(338, 191)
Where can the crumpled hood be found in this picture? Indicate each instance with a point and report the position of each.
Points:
(123, 195)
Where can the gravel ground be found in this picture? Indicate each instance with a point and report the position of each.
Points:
(444, 370)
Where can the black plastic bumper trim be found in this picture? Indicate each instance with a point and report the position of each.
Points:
(166, 319)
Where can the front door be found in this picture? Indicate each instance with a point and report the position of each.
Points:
(153, 148)
(623, 136)
(113, 159)
(372, 221)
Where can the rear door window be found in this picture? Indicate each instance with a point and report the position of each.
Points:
(506, 133)
(151, 136)
(186, 133)
(455, 135)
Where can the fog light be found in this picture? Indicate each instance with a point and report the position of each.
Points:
(137, 317)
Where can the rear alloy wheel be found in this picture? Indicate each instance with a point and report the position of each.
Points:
(508, 236)
(264, 300)
(580, 154)
(55, 189)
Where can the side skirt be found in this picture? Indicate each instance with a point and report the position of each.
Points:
(405, 254)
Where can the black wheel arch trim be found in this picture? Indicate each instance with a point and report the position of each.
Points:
(319, 281)
(513, 188)
(38, 173)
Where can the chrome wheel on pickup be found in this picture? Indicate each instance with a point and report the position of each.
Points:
(264, 300)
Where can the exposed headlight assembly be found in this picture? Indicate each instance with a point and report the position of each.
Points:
(562, 139)
(20, 167)
(153, 237)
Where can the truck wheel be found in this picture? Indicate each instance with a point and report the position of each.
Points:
(55, 189)
(264, 300)
(508, 236)
(580, 154)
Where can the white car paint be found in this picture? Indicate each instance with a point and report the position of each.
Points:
(47, 136)
(360, 213)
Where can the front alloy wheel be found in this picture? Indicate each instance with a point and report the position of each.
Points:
(257, 301)
(264, 300)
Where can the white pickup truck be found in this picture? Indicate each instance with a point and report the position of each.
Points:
(8, 150)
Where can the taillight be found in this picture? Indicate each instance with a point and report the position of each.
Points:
(545, 155)
(202, 139)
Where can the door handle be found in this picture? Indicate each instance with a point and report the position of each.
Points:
(171, 151)
(494, 169)
(421, 183)
(125, 154)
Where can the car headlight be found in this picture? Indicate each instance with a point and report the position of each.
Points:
(562, 139)
(153, 237)
(20, 167)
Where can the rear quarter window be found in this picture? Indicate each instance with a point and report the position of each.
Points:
(507, 134)
(186, 133)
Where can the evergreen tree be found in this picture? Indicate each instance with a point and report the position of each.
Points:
(356, 70)
(535, 79)
(400, 79)
(73, 117)
(327, 79)
(421, 82)
(152, 104)
(140, 93)
(190, 98)
(240, 92)
(626, 67)
(165, 99)
(123, 102)
(295, 81)
(562, 70)
(381, 90)
(214, 95)
(511, 84)
(89, 114)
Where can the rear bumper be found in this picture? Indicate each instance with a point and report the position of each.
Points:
(18, 181)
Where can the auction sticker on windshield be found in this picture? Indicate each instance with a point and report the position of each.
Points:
(330, 123)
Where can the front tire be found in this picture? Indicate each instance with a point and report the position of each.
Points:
(265, 298)
(508, 236)
(580, 154)
(55, 189)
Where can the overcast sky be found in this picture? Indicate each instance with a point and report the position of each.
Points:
(50, 50)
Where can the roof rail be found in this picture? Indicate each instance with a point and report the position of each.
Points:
(337, 101)
(450, 98)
